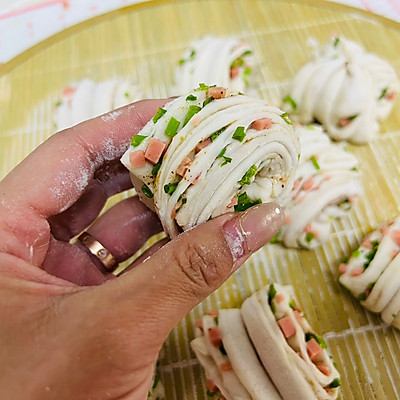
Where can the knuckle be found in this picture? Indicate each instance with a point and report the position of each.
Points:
(201, 267)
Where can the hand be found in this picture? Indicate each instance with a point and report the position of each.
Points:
(70, 330)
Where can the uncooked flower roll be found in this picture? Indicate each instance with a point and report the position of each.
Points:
(88, 99)
(372, 273)
(224, 61)
(327, 184)
(345, 89)
(294, 356)
(232, 367)
(210, 152)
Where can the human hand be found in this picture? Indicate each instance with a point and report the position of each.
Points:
(69, 329)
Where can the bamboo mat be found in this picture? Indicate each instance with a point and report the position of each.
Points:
(144, 43)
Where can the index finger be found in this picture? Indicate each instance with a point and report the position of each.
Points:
(55, 175)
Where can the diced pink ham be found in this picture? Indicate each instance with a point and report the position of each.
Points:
(395, 235)
(234, 73)
(390, 96)
(214, 334)
(345, 121)
(202, 145)
(297, 315)
(384, 229)
(154, 150)
(279, 298)
(211, 386)
(308, 184)
(196, 179)
(233, 203)
(69, 91)
(224, 367)
(287, 326)
(288, 219)
(212, 313)
(323, 367)
(367, 243)
(342, 268)
(199, 324)
(183, 167)
(137, 159)
(216, 92)
(357, 271)
(307, 228)
(296, 184)
(314, 350)
(177, 206)
(261, 124)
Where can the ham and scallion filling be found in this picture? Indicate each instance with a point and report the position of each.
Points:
(300, 336)
(213, 143)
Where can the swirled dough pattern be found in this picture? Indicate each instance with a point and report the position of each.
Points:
(327, 184)
(88, 99)
(372, 273)
(345, 89)
(224, 61)
(211, 152)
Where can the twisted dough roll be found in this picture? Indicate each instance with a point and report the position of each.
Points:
(226, 61)
(372, 274)
(231, 364)
(211, 152)
(88, 99)
(326, 186)
(345, 89)
(295, 358)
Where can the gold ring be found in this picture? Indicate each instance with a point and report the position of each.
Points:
(98, 250)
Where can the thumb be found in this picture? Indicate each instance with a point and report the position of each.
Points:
(163, 289)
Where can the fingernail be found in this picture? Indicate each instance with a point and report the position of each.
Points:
(252, 229)
(260, 224)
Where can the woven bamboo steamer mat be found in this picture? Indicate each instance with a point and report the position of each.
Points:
(143, 43)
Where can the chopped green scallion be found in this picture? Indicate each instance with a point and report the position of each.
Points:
(147, 192)
(315, 162)
(356, 253)
(208, 100)
(156, 168)
(137, 139)
(217, 133)
(246, 75)
(309, 237)
(160, 112)
(288, 99)
(244, 202)
(192, 111)
(203, 86)
(371, 254)
(239, 134)
(127, 95)
(156, 381)
(362, 297)
(222, 350)
(292, 304)
(271, 293)
(336, 41)
(246, 178)
(172, 127)
(285, 117)
(170, 188)
(335, 383)
(191, 98)
(383, 93)
(275, 238)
